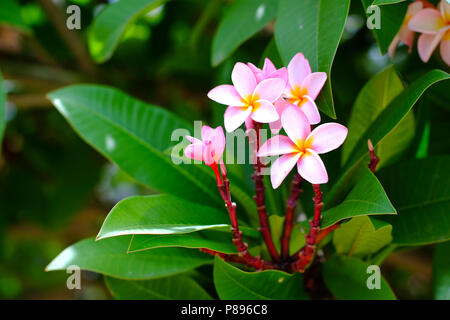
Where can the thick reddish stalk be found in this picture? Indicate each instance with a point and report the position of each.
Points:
(224, 188)
(260, 201)
(305, 255)
(289, 222)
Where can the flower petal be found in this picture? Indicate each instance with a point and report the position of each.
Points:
(445, 51)
(194, 151)
(243, 79)
(218, 143)
(414, 7)
(281, 168)
(193, 140)
(295, 123)
(265, 112)
(226, 94)
(270, 89)
(275, 126)
(280, 105)
(256, 71)
(444, 8)
(393, 46)
(268, 67)
(426, 21)
(298, 69)
(427, 43)
(281, 73)
(314, 83)
(235, 116)
(327, 137)
(277, 145)
(309, 108)
(311, 168)
(207, 133)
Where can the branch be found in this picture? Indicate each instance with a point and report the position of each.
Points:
(288, 220)
(70, 37)
(307, 252)
(373, 158)
(224, 188)
(260, 202)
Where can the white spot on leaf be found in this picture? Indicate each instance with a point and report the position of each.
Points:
(110, 143)
(260, 12)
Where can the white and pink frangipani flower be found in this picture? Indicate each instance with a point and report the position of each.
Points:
(247, 98)
(268, 71)
(302, 147)
(304, 87)
(209, 149)
(435, 28)
(405, 35)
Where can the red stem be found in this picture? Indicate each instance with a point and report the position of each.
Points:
(307, 252)
(289, 219)
(260, 202)
(224, 188)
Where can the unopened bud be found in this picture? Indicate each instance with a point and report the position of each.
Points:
(370, 145)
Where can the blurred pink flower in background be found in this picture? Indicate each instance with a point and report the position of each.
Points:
(405, 35)
(434, 25)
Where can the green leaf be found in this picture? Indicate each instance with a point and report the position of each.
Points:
(109, 26)
(390, 19)
(382, 2)
(159, 214)
(178, 287)
(2, 110)
(243, 19)
(359, 237)
(110, 257)
(441, 271)
(271, 52)
(374, 98)
(420, 190)
(366, 198)
(234, 284)
(379, 129)
(133, 135)
(10, 14)
(347, 278)
(215, 239)
(313, 27)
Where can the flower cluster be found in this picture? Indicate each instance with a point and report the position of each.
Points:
(434, 26)
(284, 98)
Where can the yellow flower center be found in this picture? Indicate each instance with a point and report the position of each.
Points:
(298, 96)
(446, 36)
(303, 145)
(251, 101)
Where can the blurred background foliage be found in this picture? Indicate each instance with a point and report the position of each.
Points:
(55, 189)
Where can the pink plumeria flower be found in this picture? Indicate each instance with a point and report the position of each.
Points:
(304, 87)
(302, 147)
(435, 28)
(209, 149)
(405, 35)
(248, 99)
(268, 71)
